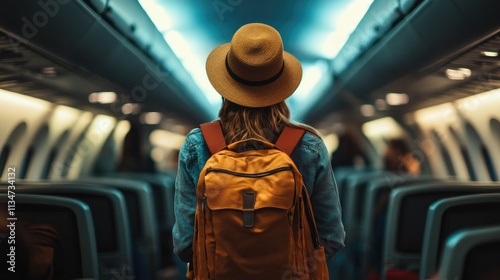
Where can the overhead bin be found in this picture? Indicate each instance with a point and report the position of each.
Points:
(406, 6)
(114, 40)
(132, 21)
(98, 5)
(431, 34)
(48, 26)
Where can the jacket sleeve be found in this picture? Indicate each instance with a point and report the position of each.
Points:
(184, 203)
(325, 202)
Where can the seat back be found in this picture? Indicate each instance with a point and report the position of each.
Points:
(71, 223)
(447, 216)
(342, 173)
(472, 254)
(354, 191)
(142, 217)
(109, 215)
(163, 187)
(373, 220)
(407, 213)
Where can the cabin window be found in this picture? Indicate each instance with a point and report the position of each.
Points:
(26, 162)
(71, 154)
(465, 155)
(3, 157)
(68, 159)
(481, 151)
(468, 163)
(495, 129)
(48, 165)
(448, 163)
(55, 155)
(14, 137)
(39, 144)
(489, 163)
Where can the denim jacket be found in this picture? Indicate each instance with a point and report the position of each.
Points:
(311, 158)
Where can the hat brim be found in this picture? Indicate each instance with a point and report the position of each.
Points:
(252, 96)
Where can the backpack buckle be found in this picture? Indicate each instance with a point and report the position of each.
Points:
(248, 209)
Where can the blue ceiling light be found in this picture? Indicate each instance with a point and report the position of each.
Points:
(315, 36)
(333, 24)
(189, 48)
(162, 20)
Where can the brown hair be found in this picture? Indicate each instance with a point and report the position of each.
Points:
(264, 123)
(398, 157)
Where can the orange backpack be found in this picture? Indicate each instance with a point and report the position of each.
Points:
(254, 218)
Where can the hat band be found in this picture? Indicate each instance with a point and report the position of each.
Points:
(254, 83)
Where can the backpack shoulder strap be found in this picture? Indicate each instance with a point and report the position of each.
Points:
(212, 133)
(289, 138)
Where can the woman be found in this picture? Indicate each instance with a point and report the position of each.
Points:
(399, 158)
(254, 76)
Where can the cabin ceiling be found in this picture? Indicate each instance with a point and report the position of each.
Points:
(63, 50)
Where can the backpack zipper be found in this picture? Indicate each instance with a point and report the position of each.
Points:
(203, 205)
(254, 175)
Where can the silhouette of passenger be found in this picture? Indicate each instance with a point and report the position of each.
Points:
(133, 158)
(398, 157)
(348, 152)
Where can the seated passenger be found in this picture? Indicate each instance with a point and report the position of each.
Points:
(348, 152)
(399, 158)
(38, 254)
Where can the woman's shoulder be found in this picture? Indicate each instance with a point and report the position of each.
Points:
(312, 142)
(194, 137)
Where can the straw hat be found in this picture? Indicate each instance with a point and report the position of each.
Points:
(253, 70)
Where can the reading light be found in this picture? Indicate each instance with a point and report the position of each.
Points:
(458, 74)
(489, 54)
(131, 108)
(367, 110)
(49, 72)
(106, 97)
(151, 118)
(395, 99)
